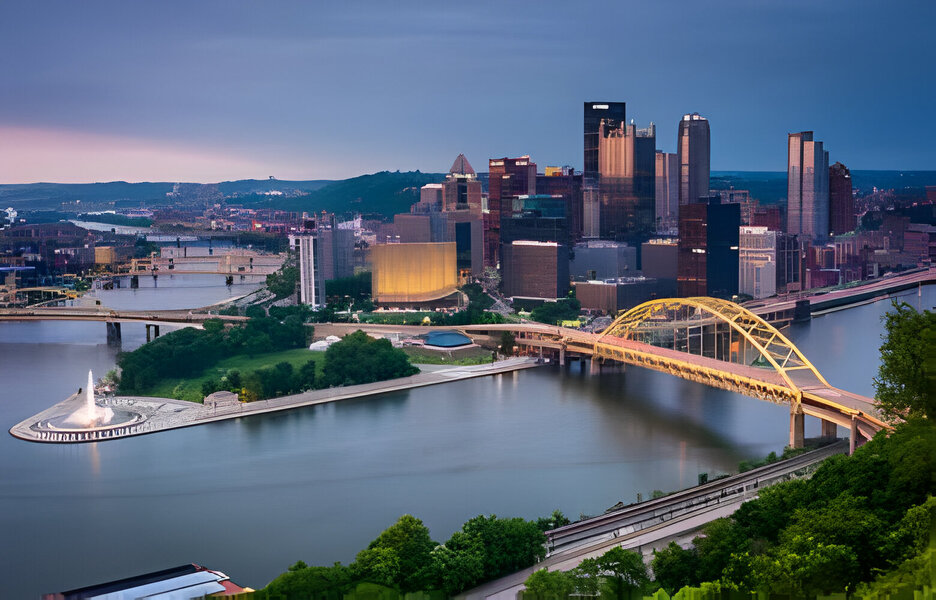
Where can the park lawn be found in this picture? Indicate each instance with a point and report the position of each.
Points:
(461, 357)
(190, 389)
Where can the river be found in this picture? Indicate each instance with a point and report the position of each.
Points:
(252, 496)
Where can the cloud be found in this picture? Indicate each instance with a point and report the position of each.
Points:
(31, 154)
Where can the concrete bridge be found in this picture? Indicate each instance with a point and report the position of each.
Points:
(113, 318)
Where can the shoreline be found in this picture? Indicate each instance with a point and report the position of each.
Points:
(164, 414)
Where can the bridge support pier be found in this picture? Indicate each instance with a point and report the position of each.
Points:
(797, 427)
(594, 366)
(562, 357)
(113, 332)
(155, 331)
(854, 437)
(829, 429)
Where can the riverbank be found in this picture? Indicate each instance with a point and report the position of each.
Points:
(152, 415)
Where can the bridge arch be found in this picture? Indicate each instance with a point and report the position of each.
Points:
(655, 320)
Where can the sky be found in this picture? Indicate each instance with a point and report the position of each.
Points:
(218, 90)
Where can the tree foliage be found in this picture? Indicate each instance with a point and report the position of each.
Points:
(283, 282)
(906, 378)
(566, 309)
(359, 358)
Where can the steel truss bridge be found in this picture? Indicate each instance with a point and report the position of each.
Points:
(714, 342)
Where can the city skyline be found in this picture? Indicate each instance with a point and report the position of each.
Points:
(109, 91)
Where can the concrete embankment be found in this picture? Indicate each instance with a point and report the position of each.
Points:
(161, 414)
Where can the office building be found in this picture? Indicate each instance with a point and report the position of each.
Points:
(627, 181)
(807, 187)
(534, 269)
(667, 191)
(708, 249)
(603, 259)
(461, 189)
(757, 262)
(842, 217)
(430, 199)
(311, 281)
(659, 258)
(567, 184)
(507, 179)
(614, 295)
(613, 114)
(693, 151)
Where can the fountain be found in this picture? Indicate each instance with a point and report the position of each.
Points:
(90, 415)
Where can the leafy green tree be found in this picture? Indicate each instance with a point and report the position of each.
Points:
(675, 567)
(359, 358)
(556, 519)
(813, 568)
(301, 582)
(720, 539)
(567, 309)
(307, 376)
(549, 585)
(283, 282)
(624, 571)
(904, 386)
(399, 557)
(507, 343)
(457, 565)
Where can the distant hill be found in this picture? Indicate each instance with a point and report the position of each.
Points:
(36, 196)
(771, 186)
(385, 193)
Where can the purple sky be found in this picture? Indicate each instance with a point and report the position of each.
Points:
(204, 91)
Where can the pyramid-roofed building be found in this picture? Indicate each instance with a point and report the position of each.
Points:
(461, 166)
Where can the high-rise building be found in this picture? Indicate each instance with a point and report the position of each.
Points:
(507, 179)
(565, 182)
(807, 187)
(461, 189)
(693, 151)
(757, 262)
(535, 269)
(596, 112)
(667, 191)
(311, 282)
(627, 181)
(708, 249)
(842, 217)
(430, 199)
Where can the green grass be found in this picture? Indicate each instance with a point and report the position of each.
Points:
(190, 389)
(462, 357)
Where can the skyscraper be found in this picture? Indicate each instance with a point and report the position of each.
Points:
(693, 151)
(311, 281)
(627, 181)
(708, 248)
(595, 112)
(461, 189)
(507, 179)
(842, 218)
(807, 187)
(667, 191)
(567, 183)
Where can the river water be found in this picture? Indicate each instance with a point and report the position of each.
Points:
(252, 496)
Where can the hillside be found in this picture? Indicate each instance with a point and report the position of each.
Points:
(385, 193)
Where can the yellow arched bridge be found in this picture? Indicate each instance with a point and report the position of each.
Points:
(714, 342)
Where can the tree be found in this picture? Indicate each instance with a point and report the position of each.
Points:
(904, 386)
(359, 358)
(507, 343)
(550, 585)
(675, 567)
(283, 282)
(556, 519)
(399, 557)
(624, 571)
(457, 566)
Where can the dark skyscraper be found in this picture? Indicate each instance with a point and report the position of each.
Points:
(708, 249)
(507, 179)
(567, 183)
(807, 187)
(614, 113)
(842, 218)
(627, 176)
(693, 151)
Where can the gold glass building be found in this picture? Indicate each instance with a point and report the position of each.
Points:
(409, 273)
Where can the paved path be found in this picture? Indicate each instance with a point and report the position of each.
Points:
(160, 414)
